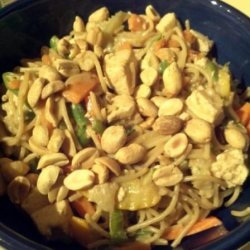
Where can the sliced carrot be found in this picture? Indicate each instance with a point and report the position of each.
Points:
(14, 84)
(134, 246)
(124, 45)
(248, 128)
(82, 232)
(244, 113)
(46, 59)
(160, 44)
(136, 23)
(202, 225)
(79, 86)
(83, 206)
(173, 43)
(189, 37)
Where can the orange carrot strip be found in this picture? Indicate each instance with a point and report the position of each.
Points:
(244, 113)
(160, 44)
(82, 232)
(136, 23)
(80, 87)
(173, 43)
(83, 206)
(188, 36)
(202, 225)
(134, 246)
(46, 59)
(14, 84)
(248, 128)
(124, 45)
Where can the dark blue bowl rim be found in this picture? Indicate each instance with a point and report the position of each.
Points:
(13, 240)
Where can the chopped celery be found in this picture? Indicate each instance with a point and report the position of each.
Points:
(82, 136)
(163, 65)
(111, 25)
(53, 42)
(78, 114)
(116, 225)
(98, 126)
(114, 22)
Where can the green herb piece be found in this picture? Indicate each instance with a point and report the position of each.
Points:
(116, 225)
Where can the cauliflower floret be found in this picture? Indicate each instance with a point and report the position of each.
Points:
(230, 167)
(54, 216)
(201, 167)
(121, 69)
(206, 104)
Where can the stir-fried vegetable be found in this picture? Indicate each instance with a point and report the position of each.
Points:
(98, 126)
(82, 232)
(213, 69)
(83, 206)
(142, 233)
(79, 86)
(53, 42)
(104, 195)
(78, 114)
(116, 225)
(111, 25)
(11, 81)
(163, 65)
(244, 113)
(114, 22)
(244, 116)
(139, 194)
(136, 23)
(202, 225)
(82, 136)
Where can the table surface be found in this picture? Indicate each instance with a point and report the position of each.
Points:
(242, 5)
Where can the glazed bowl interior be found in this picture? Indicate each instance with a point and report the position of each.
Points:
(27, 25)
